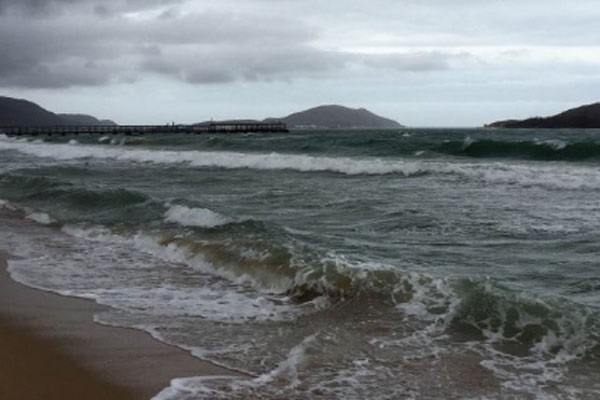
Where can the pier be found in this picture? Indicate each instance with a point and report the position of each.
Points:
(129, 130)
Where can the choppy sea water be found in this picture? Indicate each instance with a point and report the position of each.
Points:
(430, 264)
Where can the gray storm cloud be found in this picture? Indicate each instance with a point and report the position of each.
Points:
(44, 8)
(199, 48)
(65, 43)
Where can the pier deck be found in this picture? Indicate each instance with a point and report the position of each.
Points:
(215, 127)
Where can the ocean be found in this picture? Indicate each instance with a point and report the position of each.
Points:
(410, 264)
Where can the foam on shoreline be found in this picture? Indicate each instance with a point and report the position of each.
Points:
(127, 360)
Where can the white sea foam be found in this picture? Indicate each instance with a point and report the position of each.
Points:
(104, 267)
(6, 204)
(563, 340)
(555, 144)
(174, 252)
(468, 141)
(271, 161)
(200, 217)
(288, 368)
(217, 301)
(41, 218)
(201, 387)
(552, 176)
(129, 273)
(286, 375)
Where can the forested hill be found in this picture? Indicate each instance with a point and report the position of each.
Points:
(337, 117)
(17, 112)
(587, 116)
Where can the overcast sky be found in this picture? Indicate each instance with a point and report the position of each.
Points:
(421, 62)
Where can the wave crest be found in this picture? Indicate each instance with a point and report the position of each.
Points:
(219, 159)
(200, 217)
(543, 150)
(549, 176)
(519, 324)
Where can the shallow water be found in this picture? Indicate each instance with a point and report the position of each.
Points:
(412, 264)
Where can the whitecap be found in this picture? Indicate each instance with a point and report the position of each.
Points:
(40, 218)
(503, 173)
(200, 217)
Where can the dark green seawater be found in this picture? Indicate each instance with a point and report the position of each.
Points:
(421, 263)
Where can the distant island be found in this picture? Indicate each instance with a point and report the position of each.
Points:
(587, 116)
(17, 112)
(336, 117)
(327, 117)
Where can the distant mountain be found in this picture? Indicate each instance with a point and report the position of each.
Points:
(17, 112)
(587, 116)
(336, 117)
(84, 119)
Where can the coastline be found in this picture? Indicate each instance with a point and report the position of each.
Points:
(57, 351)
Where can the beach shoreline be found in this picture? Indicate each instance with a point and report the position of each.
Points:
(57, 351)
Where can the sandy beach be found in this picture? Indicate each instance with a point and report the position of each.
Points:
(52, 349)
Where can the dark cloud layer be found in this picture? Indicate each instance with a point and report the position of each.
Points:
(87, 43)
(33, 7)
(44, 8)
(65, 43)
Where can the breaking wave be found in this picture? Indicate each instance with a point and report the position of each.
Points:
(498, 323)
(467, 309)
(43, 188)
(228, 160)
(200, 217)
(543, 150)
(549, 176)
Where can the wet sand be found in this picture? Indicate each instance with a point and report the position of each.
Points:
(51, 349)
